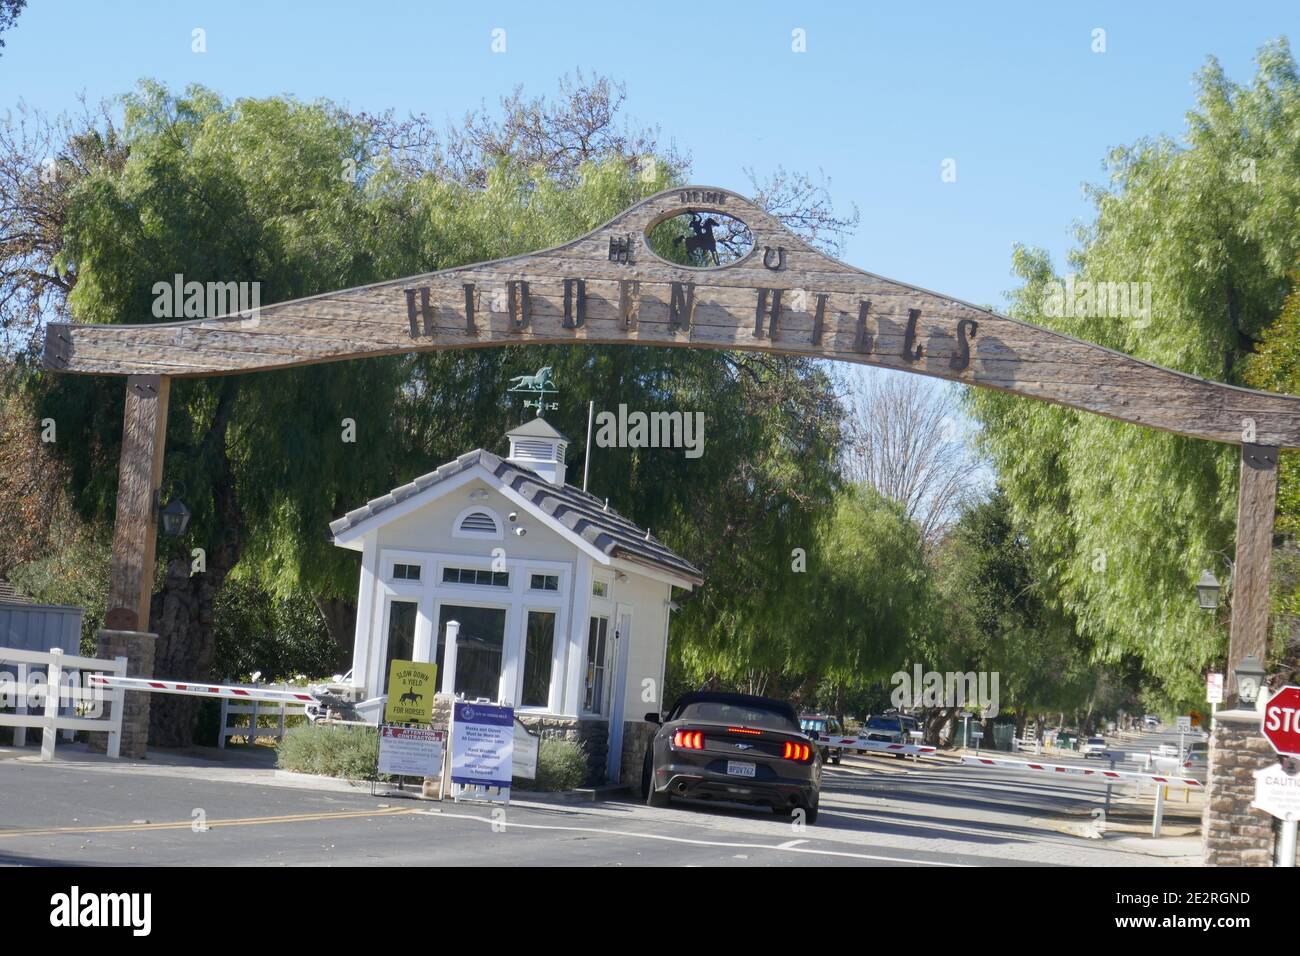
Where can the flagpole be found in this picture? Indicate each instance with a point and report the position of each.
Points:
(586, 464)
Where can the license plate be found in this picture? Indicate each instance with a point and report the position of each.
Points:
(740, 768)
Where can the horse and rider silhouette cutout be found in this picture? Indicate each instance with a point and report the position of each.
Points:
(702, 242)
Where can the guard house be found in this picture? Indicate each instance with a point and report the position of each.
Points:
(563, 604)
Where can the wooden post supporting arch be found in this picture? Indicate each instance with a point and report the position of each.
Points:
(609, 287)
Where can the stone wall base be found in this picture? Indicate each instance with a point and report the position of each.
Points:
(591, 733)
(138, 649)
(1235, 834)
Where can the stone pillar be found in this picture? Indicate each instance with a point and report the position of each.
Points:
(138, 649)
(636, 739)
(1234, 834)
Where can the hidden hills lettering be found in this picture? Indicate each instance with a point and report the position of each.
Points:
(519, 301)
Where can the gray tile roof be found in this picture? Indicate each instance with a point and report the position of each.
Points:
(583, 514)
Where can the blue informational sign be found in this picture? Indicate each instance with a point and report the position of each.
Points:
(482, 744)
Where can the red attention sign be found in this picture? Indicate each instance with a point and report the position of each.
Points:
(1282, 721)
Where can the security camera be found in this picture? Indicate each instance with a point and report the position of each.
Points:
(521, 531)
(514, 516)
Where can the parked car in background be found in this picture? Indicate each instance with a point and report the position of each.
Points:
(1094, 747)
(1197, 761)
(886, 728)
(732, 747)
(823, 725)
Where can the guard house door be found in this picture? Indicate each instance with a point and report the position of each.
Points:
(622, 645)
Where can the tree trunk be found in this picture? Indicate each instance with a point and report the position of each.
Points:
(340, 617)
(808, 686)
(181, 613)
(935, 723)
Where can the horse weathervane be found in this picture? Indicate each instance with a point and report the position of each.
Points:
(538, 385)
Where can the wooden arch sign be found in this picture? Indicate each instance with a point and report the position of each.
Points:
(609, 287)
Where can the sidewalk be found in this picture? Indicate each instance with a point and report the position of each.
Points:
(242, 765)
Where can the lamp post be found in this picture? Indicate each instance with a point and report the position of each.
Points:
(1207, 591)
(175, 518)
(1250, 677)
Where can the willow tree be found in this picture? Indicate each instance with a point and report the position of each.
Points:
(304, 198)
(850, 592)
(1201, 234)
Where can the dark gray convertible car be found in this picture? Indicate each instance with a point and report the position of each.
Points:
(735, 748)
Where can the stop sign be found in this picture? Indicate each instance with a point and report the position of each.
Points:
(1282, 721)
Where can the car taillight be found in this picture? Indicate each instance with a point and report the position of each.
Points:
(743, 730)
(688, 740)
(794, 751)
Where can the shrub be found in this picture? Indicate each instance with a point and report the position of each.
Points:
(561, 765)
(351, 752)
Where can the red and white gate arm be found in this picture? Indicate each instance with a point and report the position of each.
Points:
(873, 746)
(1189, 782)
(191, 689)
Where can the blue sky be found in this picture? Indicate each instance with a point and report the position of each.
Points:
(884, 94)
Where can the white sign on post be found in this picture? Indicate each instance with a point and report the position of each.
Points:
(410, 751)
(524, 757)
(482, 745)
(1277, 792)
(1214, 689)
(1184, 724)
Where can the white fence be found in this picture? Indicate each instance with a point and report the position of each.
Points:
(38, 697)
(276, 711)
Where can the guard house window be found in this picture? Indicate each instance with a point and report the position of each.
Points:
(401, 635)
(406, 572)
(597, 637)
(544, 582)
(600, 589)
(539, 644)
(496, 579)
(478, 650)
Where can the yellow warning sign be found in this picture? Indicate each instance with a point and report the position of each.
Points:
(411, 686)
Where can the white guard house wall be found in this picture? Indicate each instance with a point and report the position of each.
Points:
(423, 563)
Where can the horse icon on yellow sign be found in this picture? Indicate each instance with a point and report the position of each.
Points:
(411, 686)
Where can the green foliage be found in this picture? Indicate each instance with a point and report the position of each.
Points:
(1126, 518)
(846, 619)
(281, 638)
(76, 574)
(349, 752)
(1275, 367)
(991, 616)
(561, 765)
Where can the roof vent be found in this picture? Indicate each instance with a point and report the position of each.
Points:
(478, 522)
(540, 448)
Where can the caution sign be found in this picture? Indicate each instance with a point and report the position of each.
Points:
(411, 686)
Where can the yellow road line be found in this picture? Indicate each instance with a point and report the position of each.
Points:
(212, 824)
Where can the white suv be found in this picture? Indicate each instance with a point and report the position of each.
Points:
(1094, 747)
